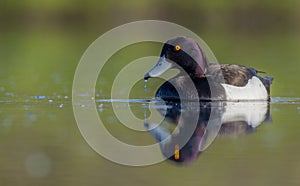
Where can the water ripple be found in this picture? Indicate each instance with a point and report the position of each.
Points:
(285, 100)
(61, 99)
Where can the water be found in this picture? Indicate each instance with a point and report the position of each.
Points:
(249, 144)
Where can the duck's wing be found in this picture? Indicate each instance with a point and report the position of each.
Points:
(236, 75)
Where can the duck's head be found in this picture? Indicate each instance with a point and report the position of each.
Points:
(182, 53)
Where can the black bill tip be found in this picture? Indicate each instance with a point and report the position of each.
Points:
(146, 76)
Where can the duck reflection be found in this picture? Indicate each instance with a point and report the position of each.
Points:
(198, 124)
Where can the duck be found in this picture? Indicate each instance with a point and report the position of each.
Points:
(203, 80)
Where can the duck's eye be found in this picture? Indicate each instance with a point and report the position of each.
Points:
(177, 48)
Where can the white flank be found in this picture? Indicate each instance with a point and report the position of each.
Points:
(254, 90)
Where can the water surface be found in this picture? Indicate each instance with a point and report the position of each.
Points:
(41, 145)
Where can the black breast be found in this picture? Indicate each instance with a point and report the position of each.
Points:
(206, 89)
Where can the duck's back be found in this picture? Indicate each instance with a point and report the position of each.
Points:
(241, 82)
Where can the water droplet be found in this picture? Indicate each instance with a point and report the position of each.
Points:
(26, 107)
(145, 86)
(10, 94)
(145, 114)
(100, 107)
(40, 97)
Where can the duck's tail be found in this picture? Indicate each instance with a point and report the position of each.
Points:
(267, 81)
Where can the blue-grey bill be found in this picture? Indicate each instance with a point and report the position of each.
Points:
(161, 66)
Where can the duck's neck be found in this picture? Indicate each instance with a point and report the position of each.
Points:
(199, 73)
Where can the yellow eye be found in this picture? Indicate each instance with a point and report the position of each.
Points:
(177, 48)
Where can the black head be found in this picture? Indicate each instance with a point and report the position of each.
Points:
(180, 52)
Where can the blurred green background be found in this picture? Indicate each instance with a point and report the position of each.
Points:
(41, 43)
